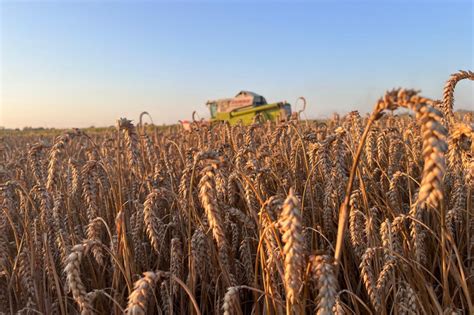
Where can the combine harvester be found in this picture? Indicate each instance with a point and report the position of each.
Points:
(246, 107)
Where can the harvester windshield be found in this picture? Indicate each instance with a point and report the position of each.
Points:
(212, 109)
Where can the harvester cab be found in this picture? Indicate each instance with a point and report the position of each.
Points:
(246, 107)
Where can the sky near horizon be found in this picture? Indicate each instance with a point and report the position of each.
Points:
(87, 63)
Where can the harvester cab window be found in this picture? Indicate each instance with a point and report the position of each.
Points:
(260, 100)
(213, 109)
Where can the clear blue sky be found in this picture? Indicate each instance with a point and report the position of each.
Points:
(83, 63)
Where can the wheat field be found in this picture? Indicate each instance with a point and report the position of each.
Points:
(354, 215)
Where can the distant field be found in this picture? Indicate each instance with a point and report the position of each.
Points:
(355, 214)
